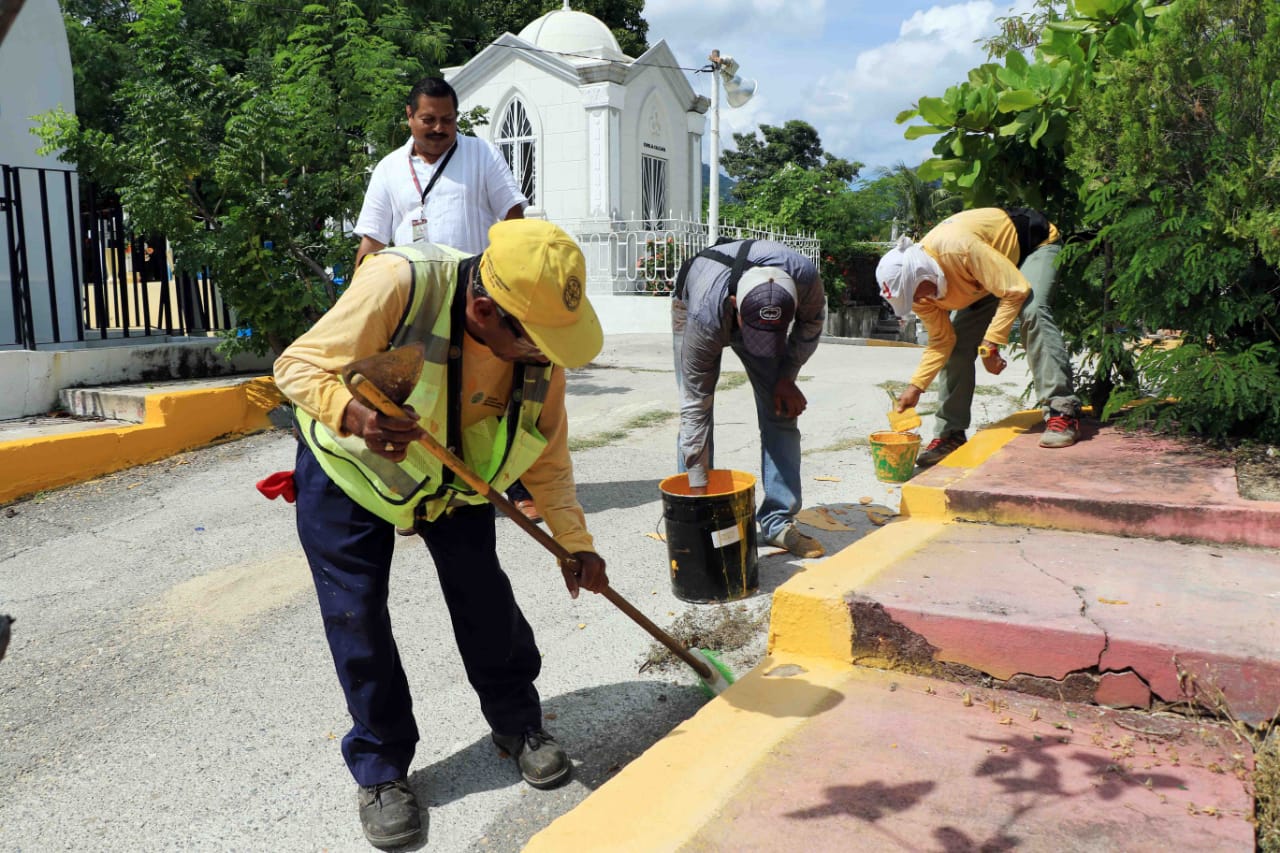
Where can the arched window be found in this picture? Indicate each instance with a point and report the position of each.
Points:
(516, 142)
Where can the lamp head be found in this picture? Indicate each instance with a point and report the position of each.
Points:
(738, 91)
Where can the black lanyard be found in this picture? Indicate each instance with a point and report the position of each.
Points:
(422, 194)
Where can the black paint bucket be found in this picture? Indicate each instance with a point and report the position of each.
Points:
(711, 538)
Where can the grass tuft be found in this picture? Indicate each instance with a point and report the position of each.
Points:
(842, 444)
(1266, 790)
(603, 439)
(894, 387)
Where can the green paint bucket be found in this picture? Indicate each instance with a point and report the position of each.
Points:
(894, 455)
(711, 538)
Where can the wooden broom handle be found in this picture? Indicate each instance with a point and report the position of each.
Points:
(367, 390)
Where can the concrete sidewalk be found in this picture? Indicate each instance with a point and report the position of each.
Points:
(936, 685)
(949, 686)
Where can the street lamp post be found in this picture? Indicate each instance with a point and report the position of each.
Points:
(737, 93)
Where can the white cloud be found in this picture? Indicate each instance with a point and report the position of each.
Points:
(846, 71)
(935, 49)
(719, 22)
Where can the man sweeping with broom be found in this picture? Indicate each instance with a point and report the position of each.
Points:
(498, 329)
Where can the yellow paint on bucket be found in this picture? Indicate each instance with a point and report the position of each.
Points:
(711, 537)
(894, 455)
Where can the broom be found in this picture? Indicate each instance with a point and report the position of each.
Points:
(714, 677)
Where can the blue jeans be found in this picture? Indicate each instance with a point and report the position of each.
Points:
(779, 444)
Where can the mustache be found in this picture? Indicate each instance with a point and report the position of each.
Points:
(437, 136)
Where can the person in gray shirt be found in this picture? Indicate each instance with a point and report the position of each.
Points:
(767, 302)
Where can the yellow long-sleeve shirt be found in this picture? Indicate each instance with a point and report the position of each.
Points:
(361, 324)
(978, 252)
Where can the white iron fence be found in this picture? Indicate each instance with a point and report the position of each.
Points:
(637, 258)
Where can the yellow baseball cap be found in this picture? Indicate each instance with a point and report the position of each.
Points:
(536, 273)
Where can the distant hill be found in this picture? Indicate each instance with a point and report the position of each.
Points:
(726, 183)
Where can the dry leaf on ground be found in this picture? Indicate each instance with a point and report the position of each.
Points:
(821, 518)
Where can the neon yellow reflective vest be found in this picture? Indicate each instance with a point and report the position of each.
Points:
(498, 449)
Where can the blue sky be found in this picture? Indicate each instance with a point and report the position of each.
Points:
(845, 66)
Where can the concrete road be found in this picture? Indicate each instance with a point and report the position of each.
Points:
(168, 686)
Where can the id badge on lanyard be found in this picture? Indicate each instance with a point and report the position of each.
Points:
(419, 222)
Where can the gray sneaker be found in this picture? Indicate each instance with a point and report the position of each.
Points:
(389, 814)
(542, 761)
(797, 543)
(1060, 431)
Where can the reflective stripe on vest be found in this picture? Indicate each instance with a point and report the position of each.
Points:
(497, 449)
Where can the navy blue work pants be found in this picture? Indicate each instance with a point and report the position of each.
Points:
(350, 552)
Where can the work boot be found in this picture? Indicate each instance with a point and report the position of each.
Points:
(1060, 431)
(791, 539)
(542, 761)
(940, 448)
(389, 814)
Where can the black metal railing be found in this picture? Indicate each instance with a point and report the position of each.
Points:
(76, 271)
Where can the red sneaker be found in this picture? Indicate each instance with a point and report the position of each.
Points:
(1060, 431)
(939, 448)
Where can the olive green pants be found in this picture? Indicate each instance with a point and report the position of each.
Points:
(1046, 353)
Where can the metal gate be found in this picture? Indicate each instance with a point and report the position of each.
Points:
(76, 271)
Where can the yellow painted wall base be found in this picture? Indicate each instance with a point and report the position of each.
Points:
(930, 502)
(174, 422)
(810, 616)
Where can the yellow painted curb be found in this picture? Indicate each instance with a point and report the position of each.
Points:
(810, 615)
(930, 502)
(174, 422)
(665, 796)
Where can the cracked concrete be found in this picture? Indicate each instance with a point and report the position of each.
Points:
(1039, 613)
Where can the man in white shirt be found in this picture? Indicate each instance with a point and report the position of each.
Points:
(441, 188)
(473, 190)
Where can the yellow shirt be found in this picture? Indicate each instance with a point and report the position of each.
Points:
(361, 324)
(979, 255)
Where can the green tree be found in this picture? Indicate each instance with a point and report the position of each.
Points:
(918, 204)
(795, 143)
(1146, 131)
(244, 135)
(1004, 130)
(790, 183)
(870, 209)
(1180, 165)
(622, 17)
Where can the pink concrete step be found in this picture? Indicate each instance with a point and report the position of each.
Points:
(907, 763)
(1111, 482)
(1122, 622)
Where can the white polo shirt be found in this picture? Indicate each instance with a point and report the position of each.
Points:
(474, 191)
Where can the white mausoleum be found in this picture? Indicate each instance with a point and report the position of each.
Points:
(601, 143)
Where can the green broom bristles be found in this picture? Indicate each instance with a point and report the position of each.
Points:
(721, 676)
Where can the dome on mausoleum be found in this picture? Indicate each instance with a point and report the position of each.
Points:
(565, 31)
